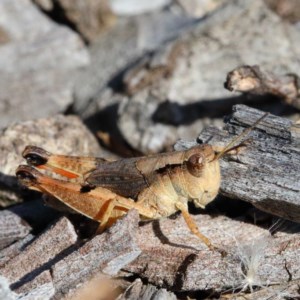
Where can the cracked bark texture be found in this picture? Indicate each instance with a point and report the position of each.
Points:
(12, 228)
(266, 172)
(44, 250)
(54, 264)
(137, 290)
(175, 259)
(104, 254)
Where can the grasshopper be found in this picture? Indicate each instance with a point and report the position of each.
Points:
(156, 185)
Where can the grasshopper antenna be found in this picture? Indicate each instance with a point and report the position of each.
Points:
(230, 146)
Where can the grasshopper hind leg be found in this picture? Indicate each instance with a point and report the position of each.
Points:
(99, 204)
(107, 215)
(70, 167)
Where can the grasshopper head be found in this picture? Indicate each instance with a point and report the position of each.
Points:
(202, 179)
(198, 157)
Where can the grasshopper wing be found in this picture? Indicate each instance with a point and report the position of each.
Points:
(121, 177)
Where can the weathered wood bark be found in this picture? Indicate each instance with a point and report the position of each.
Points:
(12, 228)
(13, 250)
(53, 266)
(39, 255)
(174, 258)
(41, 287)
(251, 79)
(266, 173)
(106, 253)
(146, 292)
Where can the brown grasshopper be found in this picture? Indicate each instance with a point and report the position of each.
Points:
(157, 185)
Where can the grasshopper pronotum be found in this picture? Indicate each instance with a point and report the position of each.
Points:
(156, 185)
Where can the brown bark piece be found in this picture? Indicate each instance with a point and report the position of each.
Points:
(251, 79)
(12, 228)
(287, 9)
(106, 253)
(152, 68)
(40, 254)
(174, 258)
(137, 290)
(90, 18)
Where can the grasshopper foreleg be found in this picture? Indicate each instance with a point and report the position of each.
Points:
(192, 225)
(195, 230)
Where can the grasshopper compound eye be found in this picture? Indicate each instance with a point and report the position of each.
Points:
(35, 156)
(195, 164)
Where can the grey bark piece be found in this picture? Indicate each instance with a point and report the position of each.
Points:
(59, 134)
(106, 253)
(112, 51)
(174, 258)
(267, 172)
(158, 115)
(152, 69)
(37, 283)
(37, 63)
(42, 292)
(137, 290)
(119, 49)
(13, 250)
(39, 255)
(166, 25)
(12, 228)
